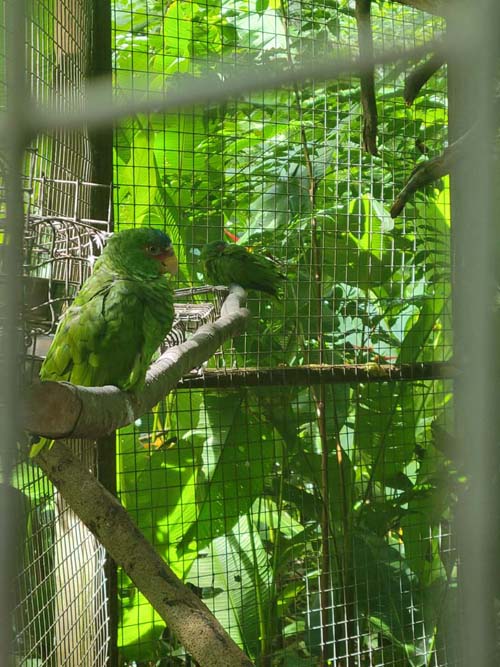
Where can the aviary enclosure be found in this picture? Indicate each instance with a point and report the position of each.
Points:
(303, 480)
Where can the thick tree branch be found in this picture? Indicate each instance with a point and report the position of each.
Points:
(63, 410)
(188, 618)
(367, 77)
(419, 76)
(429, 171)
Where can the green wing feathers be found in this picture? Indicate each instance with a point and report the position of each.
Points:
(118, 319)
(110, 333)
(230, 263)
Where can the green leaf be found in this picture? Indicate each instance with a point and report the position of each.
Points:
(417, 341)
(388, 600)
(236, 567)
(234, 466)
(158, 488)
(177, 27)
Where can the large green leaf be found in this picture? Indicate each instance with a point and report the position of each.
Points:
(234, 575)
(238, 452)
(386, 598)
(157, 485)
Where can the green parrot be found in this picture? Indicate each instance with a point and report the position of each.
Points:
(227, 263)
(119, 317)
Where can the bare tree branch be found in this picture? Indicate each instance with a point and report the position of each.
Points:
(429, 171)
(367, 77)
(63, 410)
(419, 76)
(188, 618)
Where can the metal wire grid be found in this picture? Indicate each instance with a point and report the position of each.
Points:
(231, 178)
(61, 603)
(61, 607)
(185, 476)
(58, 63)
(59, 250)
(60, 614)
(259, 352)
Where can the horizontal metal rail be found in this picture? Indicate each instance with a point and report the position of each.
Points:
(226, 378)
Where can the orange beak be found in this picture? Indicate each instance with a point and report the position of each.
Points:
(169, 262)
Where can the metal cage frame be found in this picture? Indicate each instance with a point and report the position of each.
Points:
(474, 281)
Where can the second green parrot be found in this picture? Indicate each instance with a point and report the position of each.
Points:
(227, 263)
(119, 318)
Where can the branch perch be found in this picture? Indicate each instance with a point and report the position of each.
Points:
(188, 618)
(64, 410)
(311, 374)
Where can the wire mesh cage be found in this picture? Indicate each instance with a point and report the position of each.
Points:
(297, 529)
(190, 315)
(59, 596)
(60, 613)
(58, 256)
(304, 481)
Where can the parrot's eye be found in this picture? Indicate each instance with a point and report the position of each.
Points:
(153, 249)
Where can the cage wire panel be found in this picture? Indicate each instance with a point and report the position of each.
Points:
(60, 613)
(313, 519)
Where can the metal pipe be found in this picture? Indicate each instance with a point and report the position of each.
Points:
(475, 239)
(13, 146)
(98, 113)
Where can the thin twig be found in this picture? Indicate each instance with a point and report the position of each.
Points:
(312, 374)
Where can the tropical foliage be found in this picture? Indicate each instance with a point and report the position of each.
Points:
(298, 531)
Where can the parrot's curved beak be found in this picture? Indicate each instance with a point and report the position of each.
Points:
(169, 262)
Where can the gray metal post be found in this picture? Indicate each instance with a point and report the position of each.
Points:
(475, 225)
(10, 299)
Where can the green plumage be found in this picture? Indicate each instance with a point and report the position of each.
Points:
(230, 263)
(119, 317)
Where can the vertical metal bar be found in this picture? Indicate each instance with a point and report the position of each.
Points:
(101, 141)
(106, 469)
(101, 144)
(76, 200)
(10, 300)
(42, 194)
(475, 226)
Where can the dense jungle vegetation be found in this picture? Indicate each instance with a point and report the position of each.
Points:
(271, 512)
